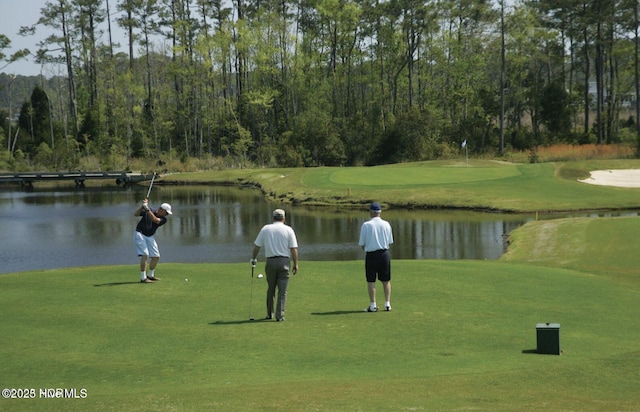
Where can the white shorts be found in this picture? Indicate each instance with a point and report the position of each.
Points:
(145, 245)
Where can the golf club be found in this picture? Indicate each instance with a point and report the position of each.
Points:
(251, 293)
(151, 185)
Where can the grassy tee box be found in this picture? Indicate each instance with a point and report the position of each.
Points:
(460, 337)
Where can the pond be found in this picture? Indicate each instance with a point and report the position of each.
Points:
(68, 227)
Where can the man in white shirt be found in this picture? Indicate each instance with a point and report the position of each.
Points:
(375, 238)
(280, 247)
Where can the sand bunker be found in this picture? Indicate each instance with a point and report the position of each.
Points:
(619, 178)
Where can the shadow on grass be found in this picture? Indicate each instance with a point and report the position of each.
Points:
(238, 322)
(535, 352)
(337, 312)
(118, 284)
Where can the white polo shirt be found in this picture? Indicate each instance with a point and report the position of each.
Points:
(375, 234)
(277, 239)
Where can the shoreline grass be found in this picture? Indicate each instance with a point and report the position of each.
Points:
(483, 185)
(480, 185)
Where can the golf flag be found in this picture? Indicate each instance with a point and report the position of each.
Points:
(464, 144)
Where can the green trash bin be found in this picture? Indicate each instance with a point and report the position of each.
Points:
(548, 338)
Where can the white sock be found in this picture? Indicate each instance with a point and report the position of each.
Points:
(387, 304)
(373, 305)
(143, 275)
(152, 273)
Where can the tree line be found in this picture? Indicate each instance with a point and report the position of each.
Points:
(322, 82)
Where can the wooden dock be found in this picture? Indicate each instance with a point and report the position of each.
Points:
(28, 178)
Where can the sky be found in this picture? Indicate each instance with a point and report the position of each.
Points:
(14, 15)
(17, 13)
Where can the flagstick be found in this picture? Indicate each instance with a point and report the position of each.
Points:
(466, 150)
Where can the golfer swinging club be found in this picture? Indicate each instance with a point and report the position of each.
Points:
(375, 238)
(280, 247)
(146, 245)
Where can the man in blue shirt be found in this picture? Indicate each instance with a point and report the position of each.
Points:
(375, 238)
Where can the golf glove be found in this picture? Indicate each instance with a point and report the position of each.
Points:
(253, 262)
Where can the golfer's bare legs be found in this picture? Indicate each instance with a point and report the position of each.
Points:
(372, 291)
(143, 263)
(387, 291)
(151, 264)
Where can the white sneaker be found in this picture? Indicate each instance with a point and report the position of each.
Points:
(387, 308)
(371, 309)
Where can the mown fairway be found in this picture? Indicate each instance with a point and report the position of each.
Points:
(460, 337)
(480, 185)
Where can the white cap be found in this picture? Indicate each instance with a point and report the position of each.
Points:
(166, 207)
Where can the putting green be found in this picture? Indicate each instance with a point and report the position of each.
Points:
(483, 184)
(415, 175)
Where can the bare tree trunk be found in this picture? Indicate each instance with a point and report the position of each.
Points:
(637, 66)
(73, 104)
(502, 72)
(587, 74)
(612, 104)
(93, 81)
(240, 57)
(599, 83)
(11, 77)
(131, 37)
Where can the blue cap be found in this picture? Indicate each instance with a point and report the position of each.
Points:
(375, 207)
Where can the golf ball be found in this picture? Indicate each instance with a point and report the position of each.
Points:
(186, 280)
(260, 276)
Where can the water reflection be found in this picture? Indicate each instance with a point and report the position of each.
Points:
(66, 227)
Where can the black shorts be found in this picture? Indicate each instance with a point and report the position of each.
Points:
(378, 265)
